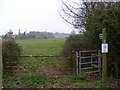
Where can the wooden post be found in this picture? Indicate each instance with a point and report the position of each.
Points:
(77, 63)
(104, 62)
(99, 62)
(73, 56)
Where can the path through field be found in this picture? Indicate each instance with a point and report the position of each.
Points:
(49, 71)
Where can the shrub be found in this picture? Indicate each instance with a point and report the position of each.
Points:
(10, 49)
(73, 43)
(107, 20)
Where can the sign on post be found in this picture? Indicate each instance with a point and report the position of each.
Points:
(105, 48)
(104, 51)
(100, 35)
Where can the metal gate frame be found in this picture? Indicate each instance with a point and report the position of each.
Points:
(79, 63)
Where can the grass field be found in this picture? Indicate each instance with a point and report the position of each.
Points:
(40, 70)
(42, 47)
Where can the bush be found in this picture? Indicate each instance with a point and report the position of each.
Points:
(73, 43)
(10, 51)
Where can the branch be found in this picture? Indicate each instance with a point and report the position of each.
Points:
(66, 5)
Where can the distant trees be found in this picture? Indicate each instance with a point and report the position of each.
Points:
(9, 35)
(22, 36)
(90, 18)
(32, 34)
(46, 35)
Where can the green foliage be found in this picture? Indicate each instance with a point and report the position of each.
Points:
(10, 49)
(73, 79)
(101, 84)
(84, 78)
(99, 16)
(78, 78)
(78, 86)
(109, 19)
(73, 43)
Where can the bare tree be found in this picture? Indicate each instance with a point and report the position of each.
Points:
(74, 13)
(81, 14)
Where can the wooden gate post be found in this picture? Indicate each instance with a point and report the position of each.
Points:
(73, 57)
(104, 62)
(77, 62)
(99, 62)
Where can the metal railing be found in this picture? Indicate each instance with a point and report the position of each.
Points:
(88, 61)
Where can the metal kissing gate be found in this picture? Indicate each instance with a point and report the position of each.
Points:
(88, 61)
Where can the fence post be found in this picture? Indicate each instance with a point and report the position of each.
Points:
(104, 61)
(80, 68)
(1, 64)
(73, 57)
(77, 62)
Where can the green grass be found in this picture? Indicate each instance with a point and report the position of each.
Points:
(101, 84)
(42, 47)
(29, 81)
(39, 81)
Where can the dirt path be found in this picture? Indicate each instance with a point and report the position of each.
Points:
(49, 71)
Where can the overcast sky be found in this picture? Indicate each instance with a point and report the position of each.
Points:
(31, 15)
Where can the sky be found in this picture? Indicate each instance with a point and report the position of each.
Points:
(32, 15)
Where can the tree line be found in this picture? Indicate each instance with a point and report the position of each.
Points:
(32, 34)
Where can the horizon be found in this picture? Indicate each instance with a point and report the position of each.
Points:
(32, 31)
(32, 15)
